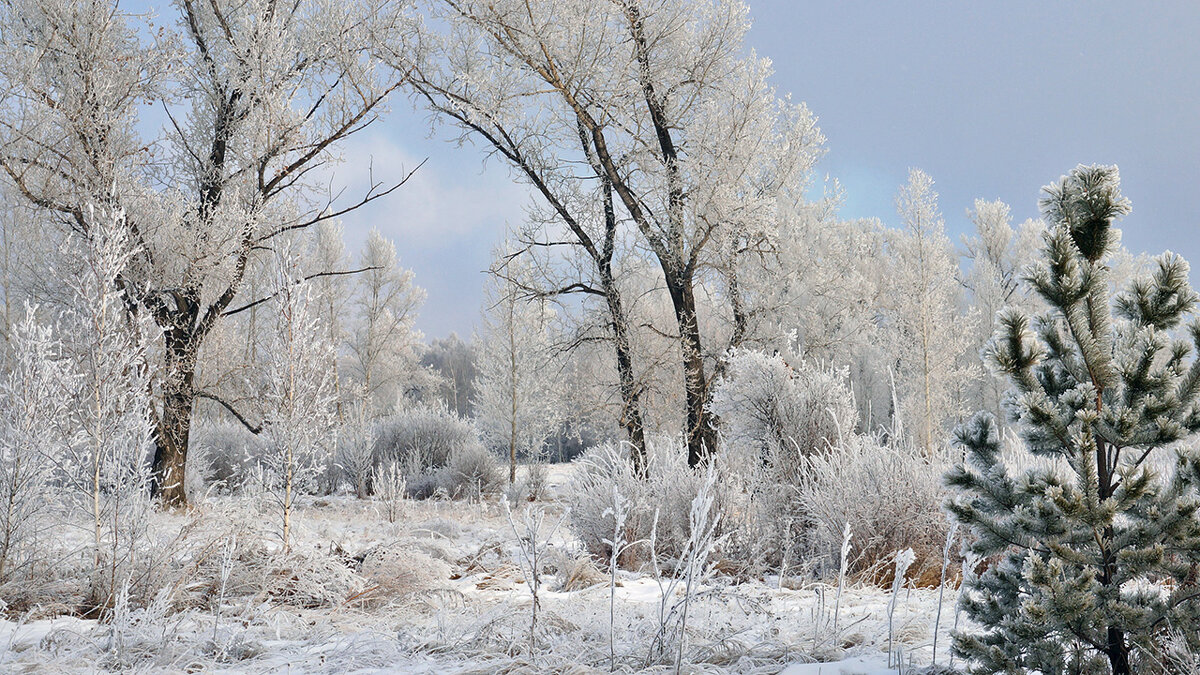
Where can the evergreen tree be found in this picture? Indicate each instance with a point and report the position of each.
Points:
(1095, 547)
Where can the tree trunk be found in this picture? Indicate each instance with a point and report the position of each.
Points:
(1118, 651)
(699, 433)
(512, 379)
(175, 423)
(631, 395)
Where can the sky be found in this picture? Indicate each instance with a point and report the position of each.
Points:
(992, 99)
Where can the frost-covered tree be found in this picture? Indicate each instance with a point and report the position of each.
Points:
(34, 409)
(997, 253)
(818, 291)
(453, 363)
(382, 338)
(9, 255)
(298, 394)
(929, 331)
(1093, 551)
(258, 96)
(518, 390)
(326, 250)
(640, 123)
(112, 415)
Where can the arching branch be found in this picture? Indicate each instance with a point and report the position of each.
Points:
(298, 281)
(233, 411)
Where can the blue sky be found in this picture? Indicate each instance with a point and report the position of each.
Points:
(992, 99)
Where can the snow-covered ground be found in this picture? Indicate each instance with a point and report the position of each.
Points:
(441, 590)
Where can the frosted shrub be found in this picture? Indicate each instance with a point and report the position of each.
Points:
(424, 435)
(394, 572)
(32, 403)
(669, 489)
(390, 487)
(355, 451)
(228, 452)
(889, 496)
(532, 486)
(437, 451)
(775, 415)
(773, 409)
(471, 473)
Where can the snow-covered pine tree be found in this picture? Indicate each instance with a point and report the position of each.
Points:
(1095, 549)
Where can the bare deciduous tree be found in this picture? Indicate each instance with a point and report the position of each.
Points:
(256, 96)
(626, 116)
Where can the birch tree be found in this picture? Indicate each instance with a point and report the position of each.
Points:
(928, 325)
(518, 391)
(112, 415)
(299, 395)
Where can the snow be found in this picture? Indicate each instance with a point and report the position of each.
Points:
(473, 614)
(855, 666)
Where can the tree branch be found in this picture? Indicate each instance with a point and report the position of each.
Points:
(233, 411)
(310, 277)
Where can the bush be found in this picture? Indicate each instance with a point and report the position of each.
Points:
(421, 437)
(668, 491)
(471, 472)
(775, 416)
(223, 454)
(393, 572)
(437, 451)
(792, 472)
(354, 460)
(890, 494)
(772, 410)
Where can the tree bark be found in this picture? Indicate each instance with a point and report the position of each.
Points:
(631, 394)
(175, 422)
(698, 431)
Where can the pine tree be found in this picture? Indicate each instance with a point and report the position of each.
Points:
(1095, 548)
